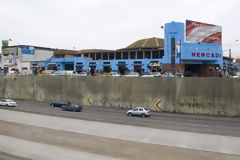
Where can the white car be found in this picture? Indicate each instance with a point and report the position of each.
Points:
(237, 75)
(152, 74)
(169, 75)
(81, 74)
(131, 74)
(8, 102)
(139, 111)
(115, 74)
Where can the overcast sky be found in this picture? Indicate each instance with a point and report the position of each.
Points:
(110, 24)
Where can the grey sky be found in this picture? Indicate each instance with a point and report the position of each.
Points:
(110, 24)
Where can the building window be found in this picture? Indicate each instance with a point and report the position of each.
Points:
(92, 55)
(132, 55)
(86, 55)
(139, 55)
(125, 55)
(111, 55)
(105, 56)
(161, 53)
(52, 67)
(173, 53)
(148, 55)
(155, 54)
(118, 55)
(98, 56)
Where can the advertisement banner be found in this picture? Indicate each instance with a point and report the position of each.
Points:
(198, 32)
(27, 50)
(4, 43)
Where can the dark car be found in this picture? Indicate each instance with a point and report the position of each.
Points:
(60, 103)
(72, 107)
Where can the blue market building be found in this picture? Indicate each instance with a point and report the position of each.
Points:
(171, 54)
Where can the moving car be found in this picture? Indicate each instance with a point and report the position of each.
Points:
(60, 103)
(72, 107)
(139, 111)
(8, 102)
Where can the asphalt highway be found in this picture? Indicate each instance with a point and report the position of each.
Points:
(229, 126)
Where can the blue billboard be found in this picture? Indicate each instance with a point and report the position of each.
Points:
(27, 50)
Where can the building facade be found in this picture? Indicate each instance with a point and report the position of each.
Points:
(24, 59)
(173, 54)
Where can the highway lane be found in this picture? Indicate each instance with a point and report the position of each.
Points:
(172, 121)
(7, 156)
(38, 137)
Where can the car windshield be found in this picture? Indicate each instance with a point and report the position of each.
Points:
(9, 100)
(74, 105)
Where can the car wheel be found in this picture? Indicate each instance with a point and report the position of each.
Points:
(143, 115)
(63, 109)
(6, 105)
(129, 114)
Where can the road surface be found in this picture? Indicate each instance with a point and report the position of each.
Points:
(37, 136)
(172, 121)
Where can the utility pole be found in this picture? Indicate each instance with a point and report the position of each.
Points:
(230, 53)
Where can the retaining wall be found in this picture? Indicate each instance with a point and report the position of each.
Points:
(213, 96)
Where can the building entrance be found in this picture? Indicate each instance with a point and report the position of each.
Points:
(107, 69)
(122, 69)
(69, 67)
(138, 68)
(193, 70)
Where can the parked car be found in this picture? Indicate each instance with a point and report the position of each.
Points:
(139, 111)
(72, 107)
(115, 74)
(60, 103)
(169, 75)
(131, 74)
(237, 75)
(81, 74)
(8, 102)
(152, 74)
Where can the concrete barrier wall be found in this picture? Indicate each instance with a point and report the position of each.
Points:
(213, 96)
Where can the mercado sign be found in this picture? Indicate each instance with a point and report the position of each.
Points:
(204, 55)
(200, 51)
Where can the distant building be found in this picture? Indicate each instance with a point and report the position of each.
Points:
(24, 59)
(171, 54)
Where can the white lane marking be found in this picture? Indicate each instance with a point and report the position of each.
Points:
(188, 140)
(39, 151)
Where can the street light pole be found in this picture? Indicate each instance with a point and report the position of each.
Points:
(230, 50)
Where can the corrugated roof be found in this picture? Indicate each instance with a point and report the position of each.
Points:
(148, 43)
